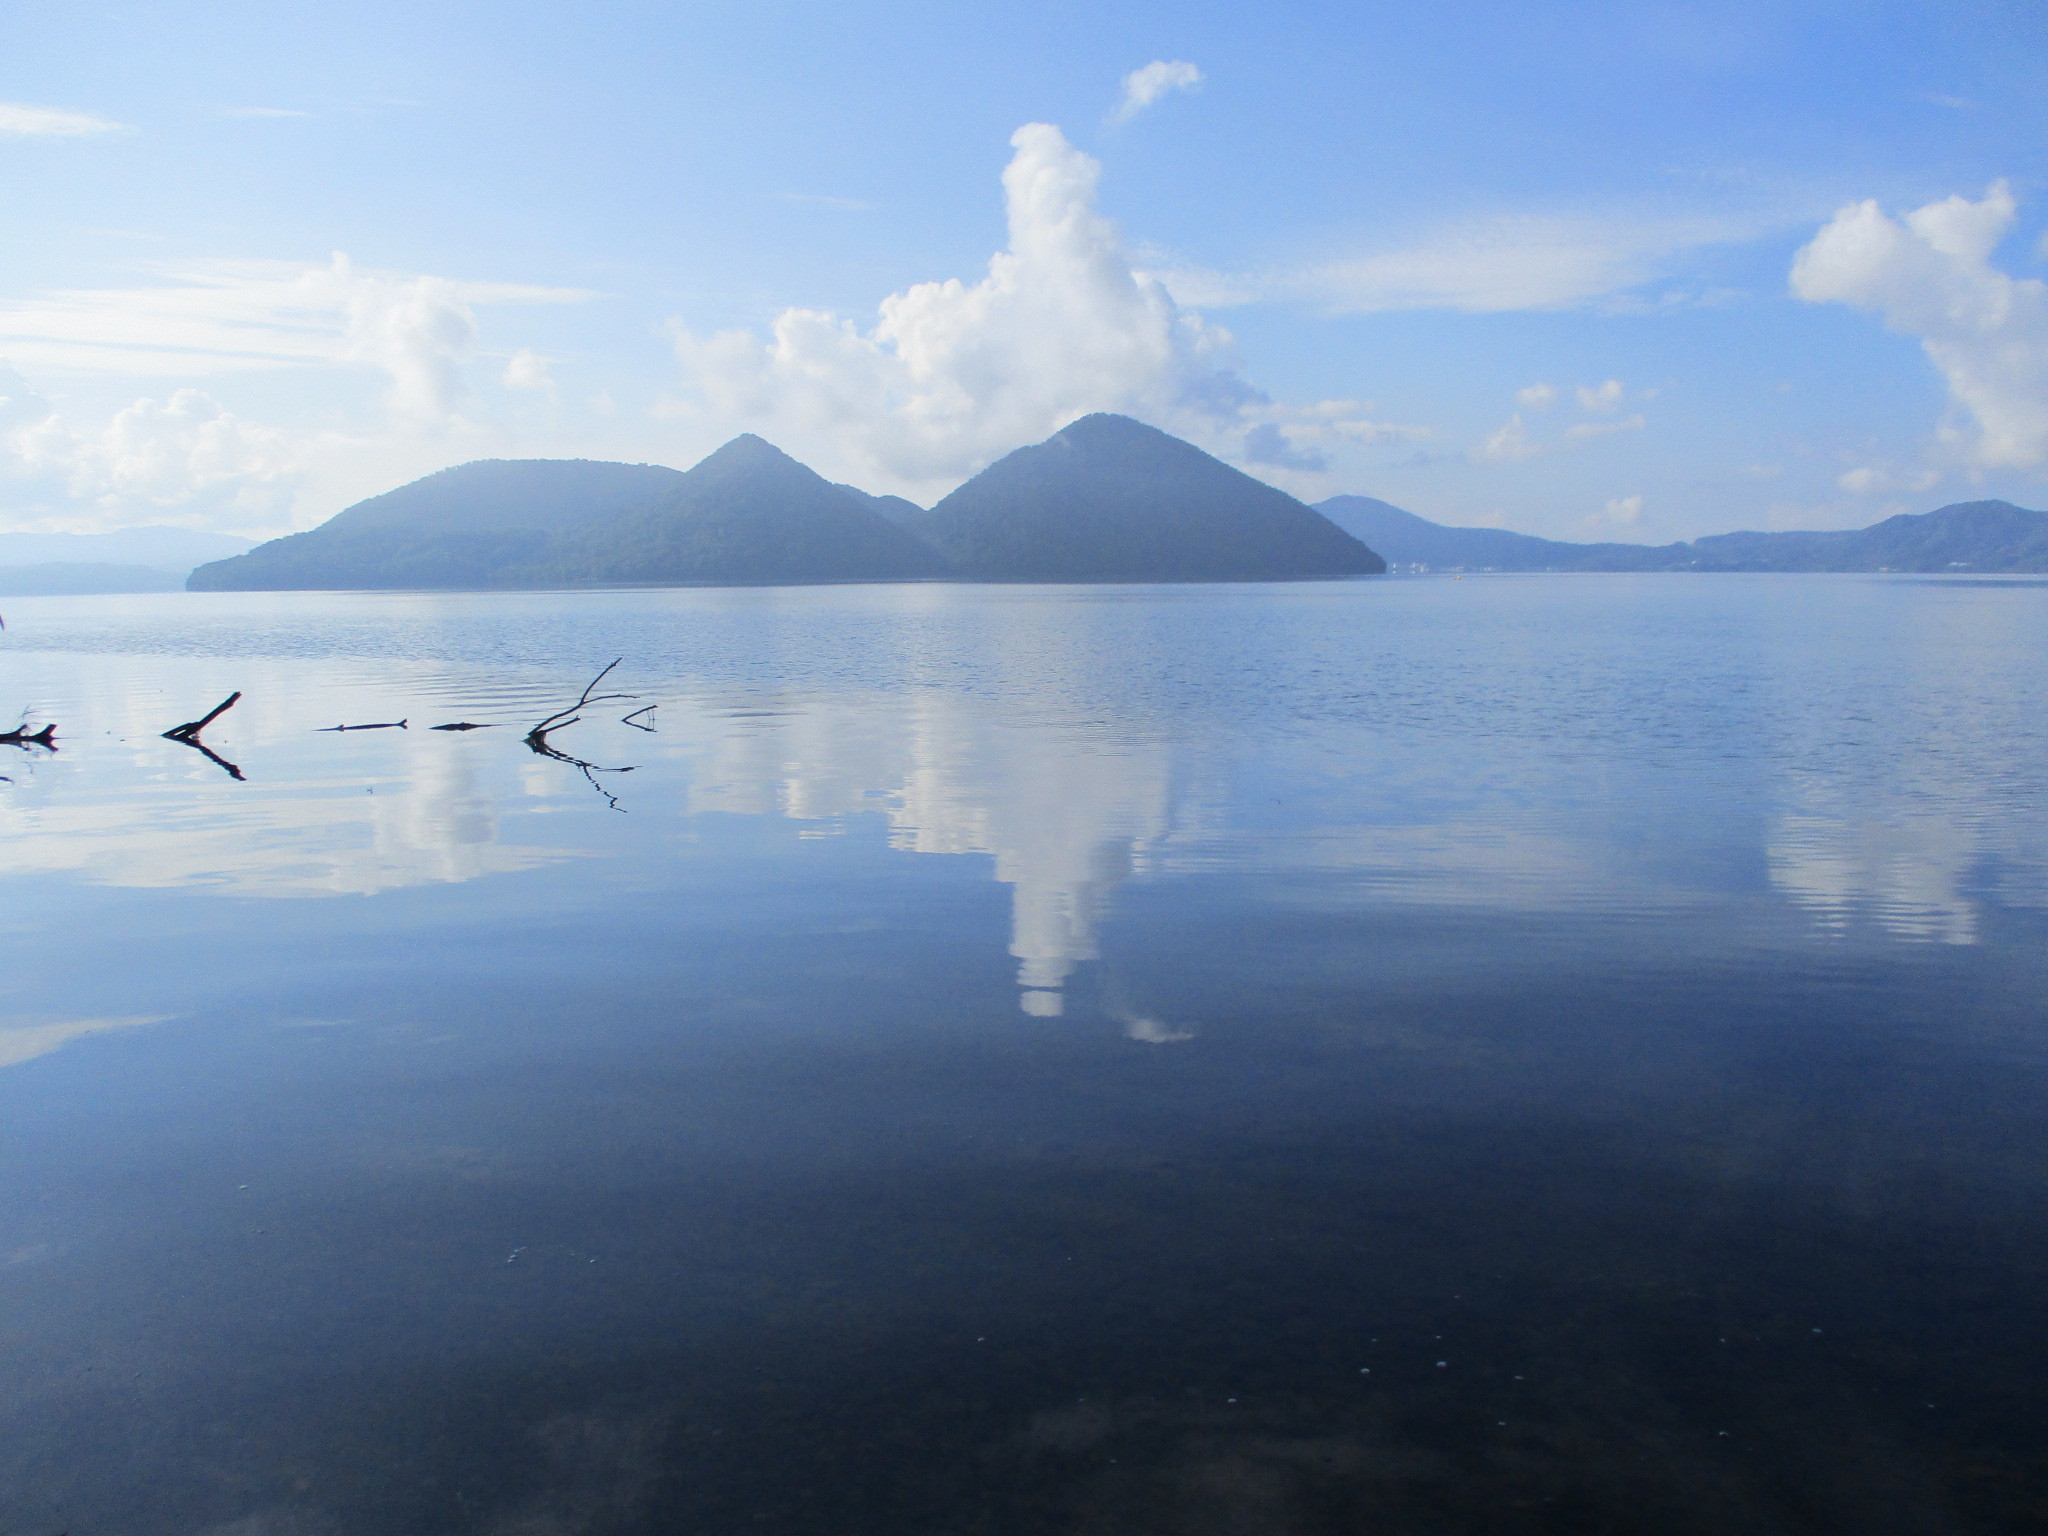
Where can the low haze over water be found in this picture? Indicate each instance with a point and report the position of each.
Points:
(1522, 1054)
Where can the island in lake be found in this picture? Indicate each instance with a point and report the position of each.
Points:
(1105, 499)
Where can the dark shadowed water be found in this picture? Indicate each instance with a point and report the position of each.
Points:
(1542, 1054)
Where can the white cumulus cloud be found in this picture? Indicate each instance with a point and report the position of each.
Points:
(953, 374)
(1144, 86)
(1623, 511)
(1930, 276)
(420, 332)
(1537, 397)
(184, 456)
(1606, 397)
(51, 122)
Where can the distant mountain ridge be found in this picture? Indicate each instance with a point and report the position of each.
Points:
(1988, 536)
(1104, 499)
(85, 578)
(176, 550)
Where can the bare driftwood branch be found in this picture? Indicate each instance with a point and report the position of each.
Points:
(192, 728)
(537, 738)
(188, 735)
(387, 725)
(634, 719)
(462, 725)
(21, 736)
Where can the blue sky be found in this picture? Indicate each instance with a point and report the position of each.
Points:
(1594, 271)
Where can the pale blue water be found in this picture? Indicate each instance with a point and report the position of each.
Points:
(1524, 1054)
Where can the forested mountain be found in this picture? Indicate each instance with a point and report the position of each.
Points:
(748, 513)
(475, 525)
(898, 509)
(1110, 499)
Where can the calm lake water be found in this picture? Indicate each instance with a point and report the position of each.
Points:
(1525, 1054)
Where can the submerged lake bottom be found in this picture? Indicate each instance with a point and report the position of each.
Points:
(1527, 1054)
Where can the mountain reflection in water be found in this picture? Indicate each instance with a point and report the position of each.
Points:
(1606, 1085)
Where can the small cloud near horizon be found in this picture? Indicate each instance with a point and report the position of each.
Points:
(1142, 87)
(527, 369)
(263, 112)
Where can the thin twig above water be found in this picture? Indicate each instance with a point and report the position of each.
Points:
(538, 743)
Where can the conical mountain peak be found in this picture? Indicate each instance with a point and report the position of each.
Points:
(747, 454)
(1107, 498)
(1109, 427)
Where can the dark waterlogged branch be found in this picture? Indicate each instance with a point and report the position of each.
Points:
(188, 735)
(192, 728)
(21, 736)
(537, 738)
(387, 725)
(462, 725)
(634, 719)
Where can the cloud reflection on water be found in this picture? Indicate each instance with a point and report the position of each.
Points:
(1037, 737)
(20, 1042)
(1067, 815)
